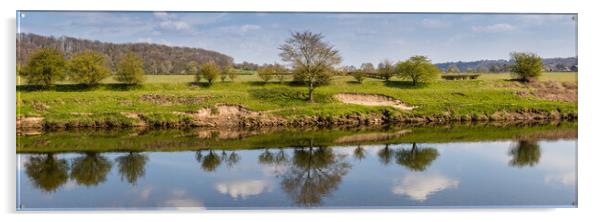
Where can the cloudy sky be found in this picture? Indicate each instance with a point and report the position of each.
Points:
(255, 37)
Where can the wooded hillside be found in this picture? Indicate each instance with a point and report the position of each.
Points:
(158, 59)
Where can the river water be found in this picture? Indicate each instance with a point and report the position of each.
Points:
(443, 167)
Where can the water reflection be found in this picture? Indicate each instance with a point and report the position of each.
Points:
(386, 154)
(47, 172)
(90, 169)
(314, 173)
(525, 153)
(211, 159)
(131, 166)
(243, 189)
(419, 186)
(310, 171)
(359, 153)
(416, 159)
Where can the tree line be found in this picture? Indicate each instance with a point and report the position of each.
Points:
(46, 66)
(158, 59)
(568, 64)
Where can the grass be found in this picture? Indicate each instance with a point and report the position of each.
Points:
(66, 102)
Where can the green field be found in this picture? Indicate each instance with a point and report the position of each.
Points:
(490, 93)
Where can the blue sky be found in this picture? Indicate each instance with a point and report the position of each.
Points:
(255, 37)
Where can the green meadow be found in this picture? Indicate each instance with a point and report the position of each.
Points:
(163, 95)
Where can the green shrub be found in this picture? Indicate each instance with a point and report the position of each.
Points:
(527, 66)
(209, 71)
(419, 69)
(45, 67)
(87, 68)
(358, 75)
(130, 69)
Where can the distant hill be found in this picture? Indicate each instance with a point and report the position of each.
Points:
(158, 59)
(550, 64)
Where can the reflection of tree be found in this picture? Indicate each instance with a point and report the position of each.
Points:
(314, 173)
(131, 166)
(359, 153)
(230, 159)
(416, 159)
(209, 162)
(385, 154)
(266, 157)
(90, 169)
(46, 172)
(525, 153)
(281, 157)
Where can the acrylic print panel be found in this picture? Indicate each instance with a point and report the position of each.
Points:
(244, 110)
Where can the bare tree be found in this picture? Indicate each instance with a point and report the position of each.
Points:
(311, 58)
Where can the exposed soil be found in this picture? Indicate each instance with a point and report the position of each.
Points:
(371, 100)
(547, 90)
(169, 100)
(29, 125)
(232, 115)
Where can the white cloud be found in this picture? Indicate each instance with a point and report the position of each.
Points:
(239, 29)
(172, 24)
(434, 23)
(542, 19)
(243, 189)
(500, 27)
(144, 40)
(420, 186)
(248, 27)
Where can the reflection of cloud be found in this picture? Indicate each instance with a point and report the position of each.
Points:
(178, 200)
(567, 179)
(70, 185)
(243, 188)
(371, 150)
(274, 169)
(143, 193)
(22, 161)
(558, 163)
(420, 186)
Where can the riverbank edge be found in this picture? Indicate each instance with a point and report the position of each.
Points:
(262, 120)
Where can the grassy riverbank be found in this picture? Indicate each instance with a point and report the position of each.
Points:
(171, 100)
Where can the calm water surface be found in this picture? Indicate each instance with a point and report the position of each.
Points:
(358, 170)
